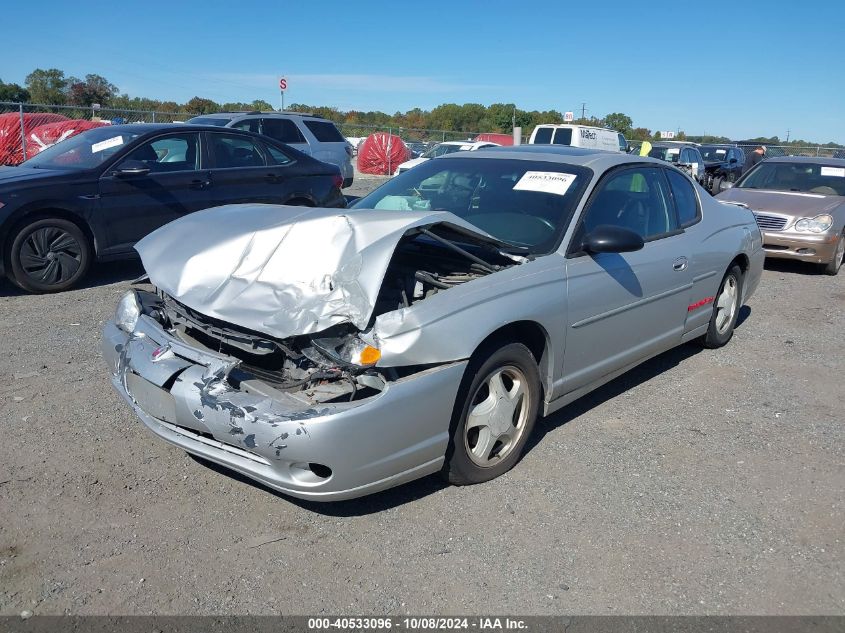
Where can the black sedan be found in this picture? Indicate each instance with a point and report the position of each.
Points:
(92, 196)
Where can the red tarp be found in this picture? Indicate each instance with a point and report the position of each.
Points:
(10, 133)
(381, 153)
(492, 137)
(49, 134)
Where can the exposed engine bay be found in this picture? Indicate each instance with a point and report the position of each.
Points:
(333, 365)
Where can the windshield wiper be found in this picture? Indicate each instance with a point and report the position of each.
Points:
(490, 268)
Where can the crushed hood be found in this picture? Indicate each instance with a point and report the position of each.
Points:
(282, 271)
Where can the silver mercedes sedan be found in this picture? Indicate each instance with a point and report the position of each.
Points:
(334, 353)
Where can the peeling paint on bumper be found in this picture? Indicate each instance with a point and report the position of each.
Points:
(371, 444)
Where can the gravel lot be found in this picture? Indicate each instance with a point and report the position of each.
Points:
(702, 482)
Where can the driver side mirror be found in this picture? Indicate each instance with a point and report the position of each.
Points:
(130, 168)
(606, 238)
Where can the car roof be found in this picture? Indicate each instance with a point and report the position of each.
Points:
(255, 113)
(815, 160)
(464, 142)
(593, 158)
(146, 128)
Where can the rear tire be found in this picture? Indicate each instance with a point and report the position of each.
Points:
(494, 415)
(726, 307)
(49, 255)
(833, 266)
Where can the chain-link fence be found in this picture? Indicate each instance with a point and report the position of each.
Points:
(26, 128)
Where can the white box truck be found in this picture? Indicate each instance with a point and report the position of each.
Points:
(578, 136)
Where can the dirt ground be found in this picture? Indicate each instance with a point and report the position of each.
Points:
(701, 482)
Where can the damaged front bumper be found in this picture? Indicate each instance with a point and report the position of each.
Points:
(316, 451)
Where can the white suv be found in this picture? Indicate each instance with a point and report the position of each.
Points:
(313, 135)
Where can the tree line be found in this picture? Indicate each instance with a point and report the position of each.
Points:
(52, 87)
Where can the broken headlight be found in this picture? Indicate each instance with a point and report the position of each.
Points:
(127, 312)
(348, 350)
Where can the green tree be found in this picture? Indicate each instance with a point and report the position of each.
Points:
(95, 89)
(639, 134)
(619, 122)
(47, 86)
(13, 92)
(200, 105)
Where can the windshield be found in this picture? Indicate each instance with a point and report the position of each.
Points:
(712, 154)
(525, 203)
(804, 177)
(669, 154)
(442, 149)
(86, 150)
(210, 120)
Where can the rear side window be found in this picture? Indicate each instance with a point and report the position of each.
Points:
(563, 136)
(325, 131)
(283, 130)
(250, 125)
(277, 156)
(685, 202)
(543, 135)
(235, 151)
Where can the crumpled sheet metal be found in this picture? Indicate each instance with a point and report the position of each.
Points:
(283, 271)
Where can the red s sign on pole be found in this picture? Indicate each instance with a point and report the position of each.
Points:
(283, 85)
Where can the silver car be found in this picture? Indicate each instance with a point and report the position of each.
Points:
(330, 354)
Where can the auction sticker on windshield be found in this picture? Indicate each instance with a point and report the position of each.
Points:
(545, 182)
(110, 142)
(833, 171)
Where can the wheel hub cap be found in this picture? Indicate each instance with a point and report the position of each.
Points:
(497, 416)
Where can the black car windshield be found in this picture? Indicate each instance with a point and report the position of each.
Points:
(442, 149)
(210, 120)
(825, 180)
(712, 154)
(527, 204)
(87, 150)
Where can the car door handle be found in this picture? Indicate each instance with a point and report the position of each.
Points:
(200, 184)
(272, 178)
(680, 264)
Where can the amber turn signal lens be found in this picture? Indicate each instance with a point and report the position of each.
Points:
(370, 355)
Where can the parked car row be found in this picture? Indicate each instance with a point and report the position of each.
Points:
(475, 290)
(94, 195)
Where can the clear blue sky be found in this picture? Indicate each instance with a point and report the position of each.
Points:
(751, 68)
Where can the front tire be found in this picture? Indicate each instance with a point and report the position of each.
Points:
(726, 307)
(49, 255)
(494, 415)
(833, 266)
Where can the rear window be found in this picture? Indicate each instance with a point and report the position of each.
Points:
(563, 136)
(283, 130)
(325, 131)
(209, 120)
(543, 135)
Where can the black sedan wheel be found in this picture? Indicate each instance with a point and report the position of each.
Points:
(49, 255)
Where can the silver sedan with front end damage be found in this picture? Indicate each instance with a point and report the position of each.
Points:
(330, 354)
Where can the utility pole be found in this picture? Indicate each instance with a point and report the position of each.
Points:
(787, 135)
(584, 110)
